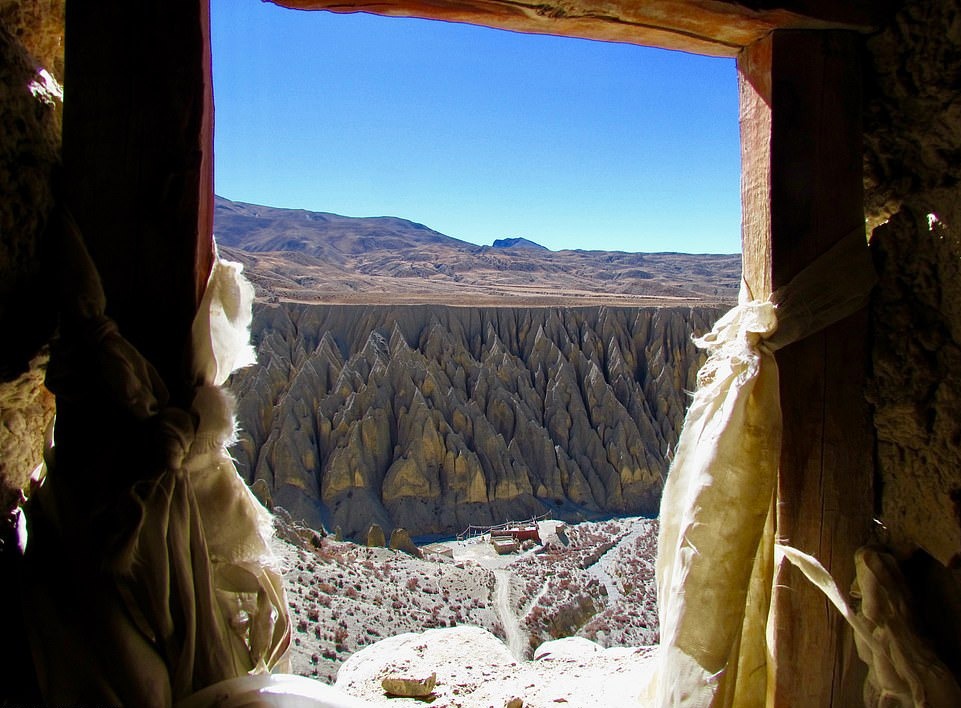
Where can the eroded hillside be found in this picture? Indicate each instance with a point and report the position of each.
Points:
(433, 418)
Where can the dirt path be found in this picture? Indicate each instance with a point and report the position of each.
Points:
(602, 568)
(516, 637)
(533, 600)
(478, 550)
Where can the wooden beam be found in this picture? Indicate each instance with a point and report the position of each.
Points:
(137, 152)
(800, 113)
(711, 27)
(754, 96)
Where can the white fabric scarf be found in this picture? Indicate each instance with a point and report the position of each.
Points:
(716, 551)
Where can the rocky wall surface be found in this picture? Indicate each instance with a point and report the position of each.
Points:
(913, 162)
(916, 387)
(31, 63)
(434, 418)
(37, 25)
(912, 106)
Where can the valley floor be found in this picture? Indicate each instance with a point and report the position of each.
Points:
(593, 580)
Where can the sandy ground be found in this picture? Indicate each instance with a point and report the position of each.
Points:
(514, 635)
(475, 670)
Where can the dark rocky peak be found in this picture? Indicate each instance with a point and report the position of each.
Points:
(517, 243)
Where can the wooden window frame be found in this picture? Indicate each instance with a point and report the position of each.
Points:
(138, 176)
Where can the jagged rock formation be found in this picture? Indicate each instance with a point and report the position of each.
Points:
(433, 418)
(376, 537)
(262, 492)
(400, 540)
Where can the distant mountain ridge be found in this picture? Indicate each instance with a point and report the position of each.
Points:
(304, 256)
(517, 243)
(256, 228)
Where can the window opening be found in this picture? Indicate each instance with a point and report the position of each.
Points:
(461, 408)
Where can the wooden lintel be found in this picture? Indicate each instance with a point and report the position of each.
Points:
(710, 27)
(137, 152)
(800, 113)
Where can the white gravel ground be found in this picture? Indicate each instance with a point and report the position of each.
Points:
(476, 670)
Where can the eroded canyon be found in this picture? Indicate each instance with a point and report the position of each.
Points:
(432, 418)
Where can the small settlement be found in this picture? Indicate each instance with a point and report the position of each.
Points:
(508, 539)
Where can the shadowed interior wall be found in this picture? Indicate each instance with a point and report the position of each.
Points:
(913, 153)
(31, 34)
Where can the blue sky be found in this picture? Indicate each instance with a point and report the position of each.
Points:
(477, 133)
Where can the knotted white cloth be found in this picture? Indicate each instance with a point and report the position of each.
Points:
(717, 553)
(147, 572)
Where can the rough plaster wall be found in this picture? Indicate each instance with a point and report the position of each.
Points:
(913, 107)
(30, 37)
(38, 27)
(917, 378)
(913, 158)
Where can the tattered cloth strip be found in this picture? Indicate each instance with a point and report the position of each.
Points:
(714, 513)
(271, 691)
(147, 570)
(716, 546)
(236, 526)
(901, 670)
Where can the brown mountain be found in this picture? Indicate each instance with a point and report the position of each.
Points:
(252, 227)
(302, 256)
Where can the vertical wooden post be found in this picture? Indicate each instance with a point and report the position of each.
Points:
(137, 152)
(802, 192)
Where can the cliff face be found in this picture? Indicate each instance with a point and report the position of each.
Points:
(433, 418)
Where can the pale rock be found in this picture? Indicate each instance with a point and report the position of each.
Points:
(409, 687)
(375, 537)
(400, 541)
(566, 648)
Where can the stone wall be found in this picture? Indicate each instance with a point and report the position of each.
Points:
(913, 160)
(913, 165)
(31, 35)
